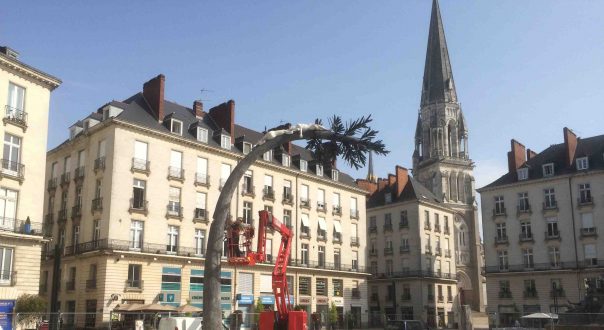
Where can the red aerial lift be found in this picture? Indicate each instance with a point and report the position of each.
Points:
(240, 253)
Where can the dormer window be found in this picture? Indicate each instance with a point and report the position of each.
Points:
(202, 135)
(286, 160)
(268, 156)
(548, 169)
(303, 165)
(522, 174)
(176, 126)
(319, 170)
(247, 148)
(582, 163)
(335, 174)
(225, 141)
(86, 125)
(388, 198)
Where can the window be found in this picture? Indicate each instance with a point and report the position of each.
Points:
(8, 208)
(499, 205)
(354, 212)
(548, 169)
(582, 163)
(269, 250)
(554, 256)
(268, 156)
(134, 276)
(355, 260)
(584, 193)
(522, 173)
(502, 257)
(140, 155)
(12, 154)
(319, 169)
(136, 234)
(287, 218)
(587, 222)
(268, 187)
(304, 254)
(523, 202)
(6, 265)
(96, 233)
(305, 225)
(321, 256)
(303, 165)
(225, 172)
(527, 258)
(530, 290)
(321, 199)
(225, 141)
(200, 242)
(501, 231)
(16, 99)
(287, 190)
(427, 219)
(338, 288)
(200, 205)
(202, 135)
(98, 188)
(62, 237)
(388, 221)
(174, 201)
(75, 235)
(590, 255)
(335, 174)
(336, 203)
(172, 245)
(404, 222)
(550, 198)
(405, 242)
(304, 195)
(525, 230)
(552, 227)
(304, 286)
(321, 229)
(247, 148)
(176, 126)
(389, 267)
(388, 198)
(138, 194)
(201, 175)
(248, 213)
(337, 259)
(175, 169)
(285, 160)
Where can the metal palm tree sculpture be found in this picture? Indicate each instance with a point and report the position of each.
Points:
(351, 142)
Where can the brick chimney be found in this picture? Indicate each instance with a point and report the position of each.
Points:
(517, 156)
(198, 109)
(287, 148)
(570, 145)
(530, 154)
(371, 187)
(382, 183)
(153, 91)
(402, 178)
(224, 116)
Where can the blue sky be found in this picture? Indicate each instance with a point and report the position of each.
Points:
(523, 69)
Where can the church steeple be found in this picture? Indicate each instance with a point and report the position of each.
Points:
(438, 84)
(370, 176)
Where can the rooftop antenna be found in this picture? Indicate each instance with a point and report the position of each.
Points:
(203, 90)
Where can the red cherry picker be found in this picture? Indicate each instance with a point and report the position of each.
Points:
(239, 243)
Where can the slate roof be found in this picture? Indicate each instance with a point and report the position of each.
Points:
(413, 191)
(136, 111)
(592, 147)
(438, 84)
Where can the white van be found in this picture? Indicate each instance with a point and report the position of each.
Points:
(180, 323)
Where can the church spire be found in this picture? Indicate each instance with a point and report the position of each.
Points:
(438, 84)
(370, 176)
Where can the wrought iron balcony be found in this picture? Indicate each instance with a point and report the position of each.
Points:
(354, 241)
(446, 231)
(499, 212)
(448, 253)
(62, 217)
(589, 232)
(76, 211)
(138, 206)
(387, 227)
(530, 293)
(337, 237)
(526, 237)
(65, 179)
(585, 200)
(15, 116)
(52, 184)
(337, 210)
(202, 179)
(13, 170)
(174, 211)
(201, 215)
(427, 226)
(501, 240)
(305, 203)
(79, 174)
(321, 207)
(99, 164)
(388, 251)
(140, 165)
(406, 297)
(428, 249)
(554, 235)
(176, 173)
(354, 213)
(505, 294)
(268, 194)
(21, 226)
(70, 285)
(373, 252)
(437, 228)
(437, 251)
(97, 204)
(404, 249)
(91, 284)
(288, 198)
(132, 284)
(248, 190)
(403, 224)
(523, 209)
(372, 229)
(550, 205)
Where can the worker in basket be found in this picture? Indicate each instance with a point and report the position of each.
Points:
(235, 230)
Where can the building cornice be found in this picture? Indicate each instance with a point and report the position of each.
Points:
(540, 180)
(44, 78)
(412, 201)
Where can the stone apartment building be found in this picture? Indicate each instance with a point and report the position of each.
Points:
(411, 252)
(25, 99)
(130, 199)
(542, 221)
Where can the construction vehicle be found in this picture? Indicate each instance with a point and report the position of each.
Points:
(239, 253)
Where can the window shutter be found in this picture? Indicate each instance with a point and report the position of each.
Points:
(246, 283)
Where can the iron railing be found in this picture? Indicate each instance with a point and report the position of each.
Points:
(97, 204)
(499, 211)
(65, 178)
(305, 203)
(321, 207)
(268, 193)
(16, 116)
(79, 173)
(202, 179)
(337, 210)
(288, 198)
(416, 273)
(99, 163)
(354, 213)
(248, 190)
(91, 284)
(21, 226)
(176, 173)
(52, 184)
(201, 214)
(8, 278)
(138, 205)
(174, 210)
(140, 165)
(13, 169)
(134, 284)
(354, 241)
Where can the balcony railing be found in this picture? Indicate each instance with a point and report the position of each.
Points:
(79, 174)
(499, 211)
(428, 249)
(140, 165)
(132, 284)
(91, 284)
(70, 285)
(557, 293)
(288, 198)
(588, 232)
(337, 210)
(437, 228)
(268, 194)
(174, 211)
(13, 169)
(373, 252)
(427, 226)
(550, 205)
(505, 294)
(404, 249)
(388, 227)
(176, 173)
(49, 218)
(62, 217)
(21, 226)
(8, 278)
(437, 251)
(65, 179)
(321, 207)
(138, 205)
(248, 190)
(446, 231)
(202, 179)
(448, 253)
(501, 240)
(388, 251)
(406, 297)
(403, 224)
(305, 203)
(200, 215)
(76, 211)
(441, 299)
(585, 200)
(416, 274)
(526, 237)
(99, 164)
(97, 204)
(356, 293)
(552, 235)
(372, 229)
(354, 241)
(523, 208)
(354, 213)
(52, 184)
(449, 298)
(530, 293)
(535, 267)
(337, 238)
(15, 116)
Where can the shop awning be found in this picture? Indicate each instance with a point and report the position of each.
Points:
(304, 219)
(337, 227)
(322, 224)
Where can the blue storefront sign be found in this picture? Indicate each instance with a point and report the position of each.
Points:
(245, 299)
(6, 314)
(267, 300)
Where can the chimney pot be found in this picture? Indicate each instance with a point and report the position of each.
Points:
(198, 108)
(570, 144)
(153, 91)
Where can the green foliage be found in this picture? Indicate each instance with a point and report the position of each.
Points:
(333, 314)
(30, 307)
(352, 141)
(258, 308)
(299, 308)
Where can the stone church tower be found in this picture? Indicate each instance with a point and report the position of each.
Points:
(442, 163)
